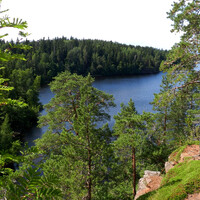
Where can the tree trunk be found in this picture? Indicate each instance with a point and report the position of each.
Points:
(165, 122)
(134, 171)
(89, 182)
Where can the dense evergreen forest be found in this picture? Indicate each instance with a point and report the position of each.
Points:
(76, 158)
(44, 59)
(47, 58)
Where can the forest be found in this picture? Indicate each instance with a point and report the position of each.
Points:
(75, 158)
(44, 59)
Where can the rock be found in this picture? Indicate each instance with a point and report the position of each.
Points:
(150, 181)
(169, 165)
(191, 152)
(151, 173)
(195, 196)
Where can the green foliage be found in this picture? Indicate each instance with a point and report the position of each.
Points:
(8, 150)
(47, 58)
(18, 115)
(33, 185)
(9, 119)
(178, 102)
(5, 160)
(75, 148)
(129, 129)
(6, 55)
(18, 90)
(175, 155)
(151, 156)
(5, 135)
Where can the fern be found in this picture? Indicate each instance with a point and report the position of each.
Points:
(33, 185)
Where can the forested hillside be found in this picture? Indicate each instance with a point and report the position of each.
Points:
(48, 57)
(39, 61)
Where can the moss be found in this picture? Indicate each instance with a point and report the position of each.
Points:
(187, 158)
(193, 142)
(179, 193)
(171, 174)
(147, 195)
(180, 181)
(193, 186)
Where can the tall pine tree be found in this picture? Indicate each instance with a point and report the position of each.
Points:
(74, 138)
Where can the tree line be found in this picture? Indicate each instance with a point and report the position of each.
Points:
(47, 58)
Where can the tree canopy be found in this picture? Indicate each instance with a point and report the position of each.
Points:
(48, 57)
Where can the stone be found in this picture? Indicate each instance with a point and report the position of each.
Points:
(150, 181)
(191, 152)
(195, 196)
(169, 165)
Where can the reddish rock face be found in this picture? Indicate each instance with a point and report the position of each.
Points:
(152, 180)
(191, 152)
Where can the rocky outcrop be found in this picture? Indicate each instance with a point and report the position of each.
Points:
(191, 152)
(150, 181)
(169, 165)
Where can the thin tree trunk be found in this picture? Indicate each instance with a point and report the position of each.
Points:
(165, 125)
(89, 182)
(134, 171)
(165, 122)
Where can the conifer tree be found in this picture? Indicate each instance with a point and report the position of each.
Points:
(161, 104)
(182, 67)
(74, 139)
(129, 129)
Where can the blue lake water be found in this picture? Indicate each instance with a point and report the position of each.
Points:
(140, 88)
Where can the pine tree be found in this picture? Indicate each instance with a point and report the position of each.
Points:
(74, 137)
(182, 68)
(161, 104)
(129, 129)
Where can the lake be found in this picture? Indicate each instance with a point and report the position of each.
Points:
(140, 88)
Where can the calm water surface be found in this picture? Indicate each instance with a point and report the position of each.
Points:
(139, 88)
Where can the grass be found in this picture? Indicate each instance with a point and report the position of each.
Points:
(180, 181)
